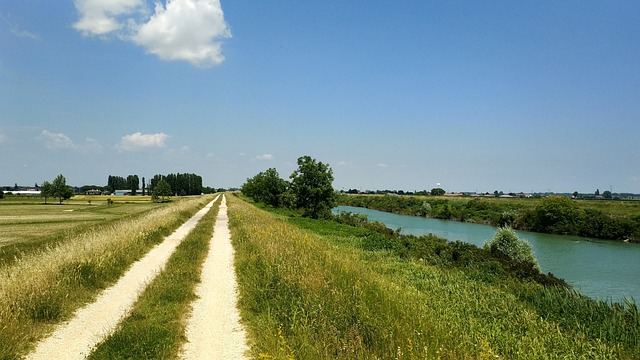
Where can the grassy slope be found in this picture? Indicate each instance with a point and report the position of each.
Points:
(312, 296)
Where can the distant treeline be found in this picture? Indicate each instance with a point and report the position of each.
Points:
(552, 215)
(181, 184)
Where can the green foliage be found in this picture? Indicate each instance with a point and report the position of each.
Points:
(60, 190)
(506, 242)
(558, 215)
(46, 190)
(162, 191)
(437, 192)
(267, 187)
(312, 186)
(180, 184)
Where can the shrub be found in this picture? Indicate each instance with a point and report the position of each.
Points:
(505, 242)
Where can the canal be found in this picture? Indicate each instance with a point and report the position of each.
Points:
(601, 269)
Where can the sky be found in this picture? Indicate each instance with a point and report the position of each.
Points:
(478, 96)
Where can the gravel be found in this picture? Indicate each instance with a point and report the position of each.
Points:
(214, 330)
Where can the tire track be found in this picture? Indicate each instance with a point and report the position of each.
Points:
(214, 330)
(76, 338)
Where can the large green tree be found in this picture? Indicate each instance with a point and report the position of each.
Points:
(312, 186)
(266, 187)
(60, 190)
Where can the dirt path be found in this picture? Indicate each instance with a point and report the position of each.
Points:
(214, 330)
(90, 325)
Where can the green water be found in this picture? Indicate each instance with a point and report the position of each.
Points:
(601, 269)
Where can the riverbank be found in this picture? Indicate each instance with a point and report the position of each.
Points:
(317, 289)
(611, 220)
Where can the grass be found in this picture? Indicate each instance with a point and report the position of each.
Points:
(29, 225)
(309, 291)
(45, 287)
(156, 325)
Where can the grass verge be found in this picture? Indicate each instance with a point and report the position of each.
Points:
(45, 288)
(155, 328)
(311, 296)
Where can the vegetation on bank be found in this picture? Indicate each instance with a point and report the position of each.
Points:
(351, 289)
(554, 215)
(45, 287)
(310, 190)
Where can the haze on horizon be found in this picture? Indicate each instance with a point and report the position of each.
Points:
(516, 97)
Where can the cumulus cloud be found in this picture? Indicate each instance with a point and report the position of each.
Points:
(265, 157)
(53, 141)
(188, 30)
(139, 141)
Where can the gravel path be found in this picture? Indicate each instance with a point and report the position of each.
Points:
(214, 330)
(90, 325)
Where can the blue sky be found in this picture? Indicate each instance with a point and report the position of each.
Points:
(476, 96)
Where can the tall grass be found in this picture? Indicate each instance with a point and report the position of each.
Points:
(308, 296)
(44, 288)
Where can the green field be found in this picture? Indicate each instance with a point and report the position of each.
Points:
(28, 223)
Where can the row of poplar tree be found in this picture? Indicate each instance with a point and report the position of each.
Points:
(180, 184)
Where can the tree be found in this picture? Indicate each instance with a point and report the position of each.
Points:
(46, 190)
(144, 189)
(312, 186)
(437, 192)
(60, 190)
(162, 190)
(607, 194)
(266, 187)
(133, 183)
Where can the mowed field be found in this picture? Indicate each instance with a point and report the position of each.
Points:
(28, 223)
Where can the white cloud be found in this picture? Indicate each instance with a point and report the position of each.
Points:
(53, 141)
(138, 141)
(187, 30)
(343, 164)
(101, 17)
(265, 157)
(3, 138)
(383, 165)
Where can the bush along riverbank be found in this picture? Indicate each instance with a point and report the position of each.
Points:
(552, 215)
(347, 288)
